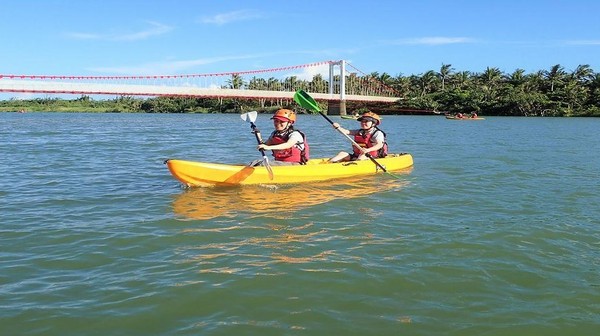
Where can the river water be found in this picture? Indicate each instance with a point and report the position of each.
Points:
(494, 231)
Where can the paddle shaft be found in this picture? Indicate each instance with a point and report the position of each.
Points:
(262, 151)
(258, 138)
(250, 117)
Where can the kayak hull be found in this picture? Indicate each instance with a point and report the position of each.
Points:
(192, 173)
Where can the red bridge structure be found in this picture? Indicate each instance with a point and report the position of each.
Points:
(326, 81)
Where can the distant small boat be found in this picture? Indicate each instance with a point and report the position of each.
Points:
(463, 118)
(349, 117)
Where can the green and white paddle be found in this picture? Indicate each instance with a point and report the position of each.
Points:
(251, 118)
(306, 101)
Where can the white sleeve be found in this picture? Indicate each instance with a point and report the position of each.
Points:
(378, 136)
(297, 137)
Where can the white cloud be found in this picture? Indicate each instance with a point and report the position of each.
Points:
(167, 67)
(434, 40)
(307, 73)
(155, 29)
(84, 36)
(225, 18)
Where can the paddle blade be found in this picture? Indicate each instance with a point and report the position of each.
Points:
(249, 116)
(268, 166)
(240, 176)
(306, 101)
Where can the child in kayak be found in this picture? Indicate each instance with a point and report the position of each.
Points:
(369, 137)
(289, 145)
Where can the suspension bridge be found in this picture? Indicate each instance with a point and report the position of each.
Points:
(332, 81)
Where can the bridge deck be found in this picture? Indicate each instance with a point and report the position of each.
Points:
(9, 85)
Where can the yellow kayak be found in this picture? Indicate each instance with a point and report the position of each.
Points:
(192, 173)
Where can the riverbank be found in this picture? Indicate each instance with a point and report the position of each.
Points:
(214, 105)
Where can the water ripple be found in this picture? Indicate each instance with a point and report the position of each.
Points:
(494, 231)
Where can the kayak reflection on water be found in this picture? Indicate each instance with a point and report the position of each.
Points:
(211, 202)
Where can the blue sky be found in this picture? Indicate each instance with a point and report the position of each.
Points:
(89, 37)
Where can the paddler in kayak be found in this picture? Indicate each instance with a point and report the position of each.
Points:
(370, 138)
(289, 145)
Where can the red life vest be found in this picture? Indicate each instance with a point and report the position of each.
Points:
(363, 139)
(292, 154)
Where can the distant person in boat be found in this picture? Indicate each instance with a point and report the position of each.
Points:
(288, 144)
(473, 115)
(369, 137)
(459, 115)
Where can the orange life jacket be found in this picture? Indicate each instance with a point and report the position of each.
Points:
(363, 139)
(292, 154)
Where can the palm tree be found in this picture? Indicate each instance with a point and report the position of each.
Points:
(555, 76)
(318, 84)
(257, 84)
(273, 84)
(462, 78)
(290, 83)
(385, 78)
(490, 82)
(517, 78)
(366, 84)
(534, 82)
(583, 73)
(445, 71)
(402, 84)
(594, 86)
(235, 82)
(427, 82)
(574, 95)
(491, 76)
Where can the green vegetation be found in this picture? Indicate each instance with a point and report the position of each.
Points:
(126, 104)
(544, 93)
(554, 92)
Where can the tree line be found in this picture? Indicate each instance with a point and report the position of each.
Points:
(554, 92)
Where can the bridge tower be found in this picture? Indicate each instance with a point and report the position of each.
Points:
(337, 107)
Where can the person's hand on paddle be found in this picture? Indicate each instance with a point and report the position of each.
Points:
(284, 145)
(340, 128)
